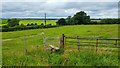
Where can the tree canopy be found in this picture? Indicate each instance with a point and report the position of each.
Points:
(13, 22)
(79, 18)
(61, 21)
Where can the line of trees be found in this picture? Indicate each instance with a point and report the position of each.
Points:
(79, 18)
(110, 21)
(82, 18)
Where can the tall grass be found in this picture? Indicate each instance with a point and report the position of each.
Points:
(39, 57)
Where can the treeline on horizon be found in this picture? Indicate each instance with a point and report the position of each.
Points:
(51, 19)
(80, 18)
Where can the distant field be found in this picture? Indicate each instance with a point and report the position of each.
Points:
(3, 22)
(25, 22)
(95, 20)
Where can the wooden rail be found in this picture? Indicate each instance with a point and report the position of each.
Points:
(45, 42)
(92, 38)
(97, 40)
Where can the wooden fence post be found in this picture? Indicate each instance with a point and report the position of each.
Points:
(116, 42)
(78, 43)
(62, 41)
(44, 39)
(96, 44)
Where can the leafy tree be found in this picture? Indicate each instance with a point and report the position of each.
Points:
(81, 18)
(61, 21)
(68, 20)
(13, 22)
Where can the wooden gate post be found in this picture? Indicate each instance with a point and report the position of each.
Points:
(62, 41)
(96, 44)
(78, 43)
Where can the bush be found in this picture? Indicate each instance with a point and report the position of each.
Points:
(110, 21)
(22, 25)
(48, 26)
(42, 25)
(35, 23)
(28, 24)
(32, 24)
(13, 22)
(61, 21)
(5, 26)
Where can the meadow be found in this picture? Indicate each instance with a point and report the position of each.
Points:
(15, 43)
(96, 20)
(3, 22)
(25, 22)
(39, 22)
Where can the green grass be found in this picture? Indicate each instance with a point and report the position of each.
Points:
(39, 57)
(102, 31)
(96, 20)
(25, 22)
(3, 22)
(13, 47)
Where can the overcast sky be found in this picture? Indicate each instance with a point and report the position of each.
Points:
(59, 9)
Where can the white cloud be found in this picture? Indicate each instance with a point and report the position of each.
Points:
(62, 9)
(50, 1)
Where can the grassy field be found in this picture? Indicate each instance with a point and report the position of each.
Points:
(3, 22)
(25, 22)
(14, 50)
(95, 20)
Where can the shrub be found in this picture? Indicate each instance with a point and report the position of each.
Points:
(5, 26)
(61, 21)
(32, 24)
(48, 26)
(13, 22)
(28, 24)
(22, 25)
(35, 23)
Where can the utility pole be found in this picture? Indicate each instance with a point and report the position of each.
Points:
(45, 19)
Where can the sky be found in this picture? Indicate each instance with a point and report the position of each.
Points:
(60, 9)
